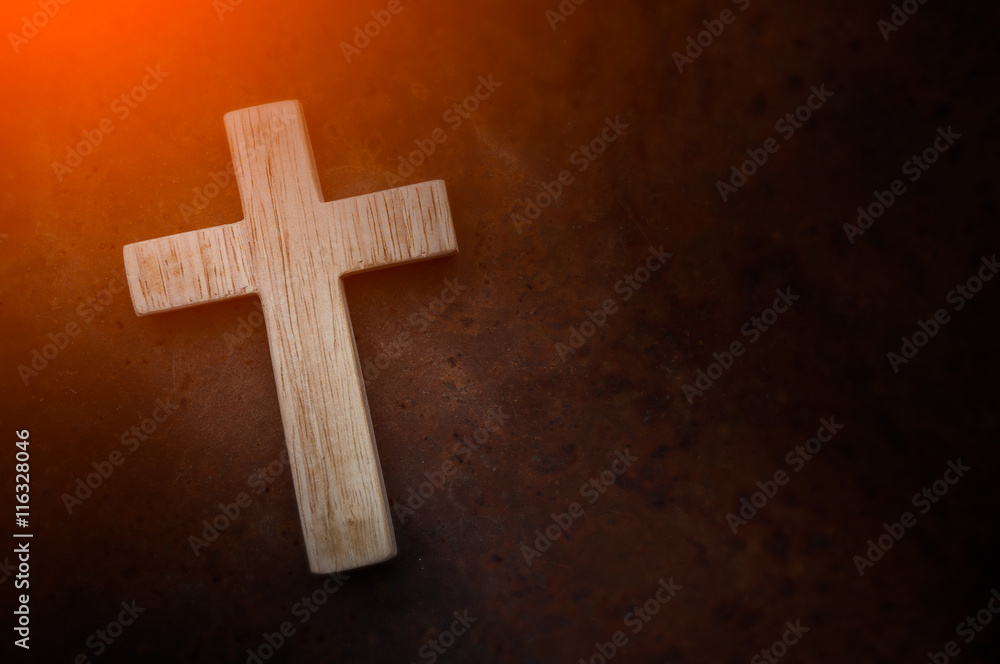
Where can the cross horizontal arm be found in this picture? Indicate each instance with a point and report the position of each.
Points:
(186, 269)
(394, 226)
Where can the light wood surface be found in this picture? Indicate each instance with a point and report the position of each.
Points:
(291, 249)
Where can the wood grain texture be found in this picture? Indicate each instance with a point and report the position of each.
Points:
(188, 269)
(291, 249)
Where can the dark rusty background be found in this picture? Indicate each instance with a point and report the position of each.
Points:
(495, 346)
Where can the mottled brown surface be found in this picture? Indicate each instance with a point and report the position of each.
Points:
(665, 517)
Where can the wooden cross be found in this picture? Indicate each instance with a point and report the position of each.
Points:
(291, 249)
